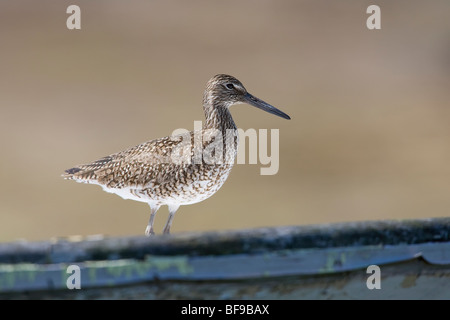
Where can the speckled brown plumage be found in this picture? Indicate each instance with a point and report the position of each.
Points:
(176, 170)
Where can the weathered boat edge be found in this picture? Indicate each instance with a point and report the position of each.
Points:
(285, 255)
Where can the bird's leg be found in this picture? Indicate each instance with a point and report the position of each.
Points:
(172, 210)
(149, 229)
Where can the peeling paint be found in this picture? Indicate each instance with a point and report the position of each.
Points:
(334, 260)
(409, 281)
(92, 274)
(181, 263)
(131, 268)
(10, 274)
(114, 271)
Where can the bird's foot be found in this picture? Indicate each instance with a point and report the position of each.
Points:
(149, 231)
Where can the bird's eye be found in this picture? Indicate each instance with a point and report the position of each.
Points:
(230, 86)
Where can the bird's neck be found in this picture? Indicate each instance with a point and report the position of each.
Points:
(218, 117)
(219, 121)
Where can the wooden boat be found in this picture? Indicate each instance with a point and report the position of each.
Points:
(294, 262)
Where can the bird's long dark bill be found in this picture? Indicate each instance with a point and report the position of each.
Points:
(254, 101)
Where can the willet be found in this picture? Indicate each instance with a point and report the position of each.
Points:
(161, 171)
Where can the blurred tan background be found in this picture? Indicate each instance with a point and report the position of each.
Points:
(369, 136)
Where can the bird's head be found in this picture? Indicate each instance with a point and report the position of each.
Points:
(223, 90)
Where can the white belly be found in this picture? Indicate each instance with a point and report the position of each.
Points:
(179, 194)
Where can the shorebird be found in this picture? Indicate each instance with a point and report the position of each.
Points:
(179, 169)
